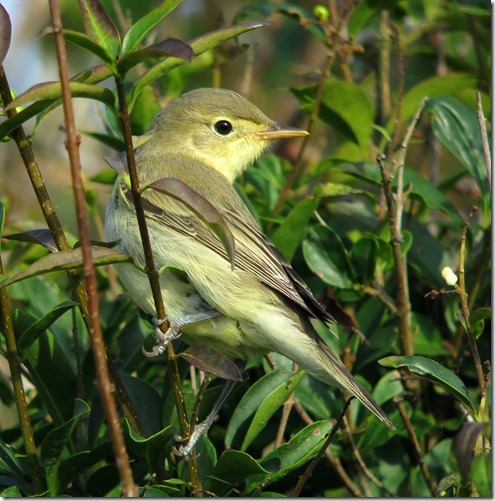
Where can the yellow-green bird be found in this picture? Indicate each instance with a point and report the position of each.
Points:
(206, 138)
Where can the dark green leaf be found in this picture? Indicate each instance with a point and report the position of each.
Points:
(52, 90)
(100, 28)
(234, 466)
(250, 403)
(140, 29)
(43, 237)
(364, 254)
(69, 260)
(327, 257)
(7, 126)
(54, 444)
(209, 360)
(5, 32)
(85, 42)
(201, 207)
(464, 446)
(270, 404)
(199, 45)
(293, 228)
(32, 333)
(13, 462)
(481, 475)
(456, 126)
(433, 370)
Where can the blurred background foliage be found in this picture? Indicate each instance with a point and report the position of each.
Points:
(354, 73)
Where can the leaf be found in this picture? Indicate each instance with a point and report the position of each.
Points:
(68, 260)
(54, 444)
(464, 447)
(13, 464)
(293, 228)
(300, 449)
(42, 236)
(456, 126)
(5, 33)
(85, 42)
(433, 370)
(170, 47)
(327, 257)
(53, 90)
(199, 45)
(250, 402)
(209, 360)
(364, 256)
(100, 28)
(31, 334)
(140, 29)
(481, 475)
(201, 207)
(270, 404)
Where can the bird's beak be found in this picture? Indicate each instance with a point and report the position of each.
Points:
(277, 131)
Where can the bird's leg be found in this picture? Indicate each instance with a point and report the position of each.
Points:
(173, 332)
(202, 428)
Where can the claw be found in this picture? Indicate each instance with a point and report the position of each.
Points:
(200, 429)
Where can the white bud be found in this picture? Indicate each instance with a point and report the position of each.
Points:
(449, 276)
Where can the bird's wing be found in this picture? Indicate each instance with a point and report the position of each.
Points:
(260, 258)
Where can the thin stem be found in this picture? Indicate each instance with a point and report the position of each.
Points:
(154, 278)
(484, 138)
(309, 470)
(417, 450)
(20, 396)
(383, 80)
(98, 344)
(288, 404)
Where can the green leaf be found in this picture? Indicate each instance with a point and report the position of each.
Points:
(327, 258)
(32, 333)
(250, 402)
(140, 29)
(270, 404)
(69, 260)
(456, 126)
(293, 228)
(364, 255)
(344, 106)
(201, 207)
(5, 33)
(299, 450)
(433, 370)
(86, 43)
(199, 45)
(481, 475)
(7, 126)
(54, 444)
(53, 90)
(13, 463)
(100, 28)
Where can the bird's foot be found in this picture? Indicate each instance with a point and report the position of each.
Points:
(199, 430)
(173, 332)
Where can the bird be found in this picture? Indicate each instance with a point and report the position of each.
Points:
(251, 304)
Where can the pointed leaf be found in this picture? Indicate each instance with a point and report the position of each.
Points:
(7, 126)
(201, 207)
(140, 29)
(68, 260)
(433, 370)
(209, 360)
(199, 45)
(43, 237)
(170, 47)
(99, 27)
(53, 90)
(5, 33)
(271, 403)
(54, 444)
(464, 447)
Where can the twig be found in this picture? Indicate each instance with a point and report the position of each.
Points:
(154, 278)
(309, 470)
(379, 292)
(98, 344)
(383, 80)
(417, 451)
(19, 393)
(288, 404)
(484, 138)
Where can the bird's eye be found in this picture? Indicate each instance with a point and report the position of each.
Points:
(223, 127)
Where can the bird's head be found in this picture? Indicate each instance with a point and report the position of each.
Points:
(218, 127)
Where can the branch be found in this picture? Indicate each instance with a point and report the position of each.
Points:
(484, 138)
(98, 344)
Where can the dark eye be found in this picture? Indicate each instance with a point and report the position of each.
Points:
(223, 127)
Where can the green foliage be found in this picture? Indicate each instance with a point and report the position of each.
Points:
(327, 210)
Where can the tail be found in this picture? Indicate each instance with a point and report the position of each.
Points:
(329, 369)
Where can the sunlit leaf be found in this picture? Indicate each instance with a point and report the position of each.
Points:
(140, 29)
